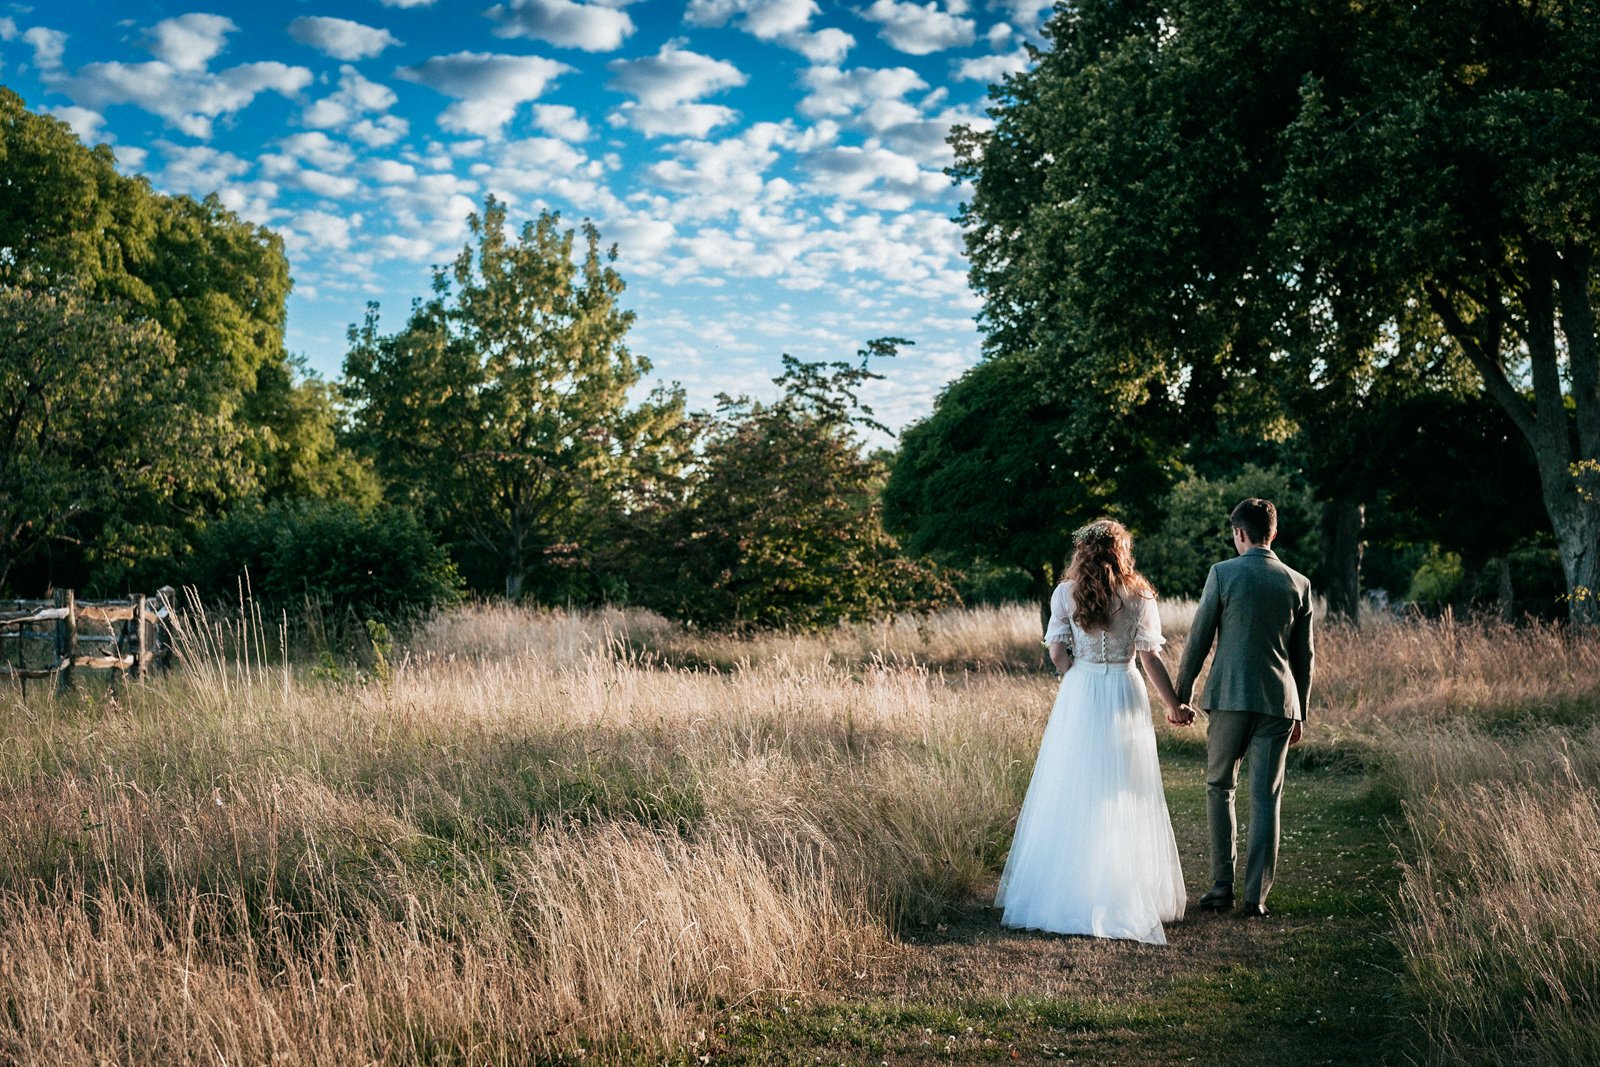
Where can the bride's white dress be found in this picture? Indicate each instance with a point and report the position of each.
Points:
(1093, 852)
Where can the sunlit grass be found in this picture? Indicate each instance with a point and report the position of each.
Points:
(516, 835)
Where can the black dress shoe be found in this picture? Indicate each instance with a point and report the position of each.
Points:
(1220, 898)
(1254, 911)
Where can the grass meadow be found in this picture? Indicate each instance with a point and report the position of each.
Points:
(516, 837)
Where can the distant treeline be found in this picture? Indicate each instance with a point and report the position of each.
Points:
(158, 432)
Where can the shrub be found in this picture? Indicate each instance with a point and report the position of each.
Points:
(373, 561)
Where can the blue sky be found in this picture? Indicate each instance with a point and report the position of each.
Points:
(771, 170)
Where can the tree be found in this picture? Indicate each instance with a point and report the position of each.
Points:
(782, 525)
(500, 411)
(992, 475)
(215, 285)
(97, 434)
(1249, 204)
(1484, 120)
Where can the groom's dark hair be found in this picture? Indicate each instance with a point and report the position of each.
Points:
(1257, 518)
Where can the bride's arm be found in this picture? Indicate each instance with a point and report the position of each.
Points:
(1061, 656)
(1156, 671)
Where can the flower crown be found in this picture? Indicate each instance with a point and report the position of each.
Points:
(1099, 532)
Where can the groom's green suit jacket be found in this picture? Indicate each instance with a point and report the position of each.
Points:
(1257, 611)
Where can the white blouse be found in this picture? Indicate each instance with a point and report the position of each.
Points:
(1135, 627)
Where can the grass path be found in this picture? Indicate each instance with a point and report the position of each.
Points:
(1317, 983)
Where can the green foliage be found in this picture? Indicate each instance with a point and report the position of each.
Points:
(102, 435)
(379, 562)
(1194, 531)
(1438, 580)
(237, 423)
(1252, 216)
(782, 526)
(994, 475)
(501, 413)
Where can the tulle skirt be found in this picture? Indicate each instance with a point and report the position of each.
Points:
(1093, 851)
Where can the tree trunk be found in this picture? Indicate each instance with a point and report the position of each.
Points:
(1508, 596)
(1577, 530)
(514, 586)
(1342, 522)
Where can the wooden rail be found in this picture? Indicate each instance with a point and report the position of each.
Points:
(136, 637)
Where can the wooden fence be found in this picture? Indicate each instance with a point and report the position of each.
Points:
(129, 636)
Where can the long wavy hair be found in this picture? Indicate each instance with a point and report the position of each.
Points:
(1102, 573)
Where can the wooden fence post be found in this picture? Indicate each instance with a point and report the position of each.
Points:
(137, 669)
(167, 600)
(66, 635)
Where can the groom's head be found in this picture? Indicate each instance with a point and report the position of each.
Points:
(1255, 522)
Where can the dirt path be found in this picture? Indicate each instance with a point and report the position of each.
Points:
(1317, 983)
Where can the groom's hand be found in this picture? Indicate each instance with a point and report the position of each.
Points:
(1182, 715)
(1296, 732)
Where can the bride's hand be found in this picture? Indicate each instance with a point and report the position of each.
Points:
(1180, 715)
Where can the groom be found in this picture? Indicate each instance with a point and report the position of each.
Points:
(1258, 612)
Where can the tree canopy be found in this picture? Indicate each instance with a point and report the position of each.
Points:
(501, 409)
(1257, 211)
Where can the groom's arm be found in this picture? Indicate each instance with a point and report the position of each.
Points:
(1302, 656)
(1201, 633)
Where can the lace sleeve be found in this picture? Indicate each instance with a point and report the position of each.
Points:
(1147, 638)
(1060, 628)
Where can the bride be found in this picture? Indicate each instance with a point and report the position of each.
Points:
(1093, 851)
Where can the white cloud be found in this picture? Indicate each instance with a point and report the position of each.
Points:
(488, 87)
(1027, 14)
(330, 186)
(85, 123)
(676, 120)
(354, 98)
(198, 170)
(131, 160)
(992, 69)
(665, 87)
(559, 120)
(48, 46)
(322, 229)
(835, 93)
(563, 23)
(317, 149)
(872, 175)
(827, 45)
(765, 19)
(391, 171)
(712, 178)
(341, 38)
(406, 3)
(640, 239)
(673, 75)
(189, 100)
(8, 29)
(380, 132)
(786, 22)
(189, 42)
(920, 29)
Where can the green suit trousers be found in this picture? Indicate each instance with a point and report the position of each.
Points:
(1231, 736)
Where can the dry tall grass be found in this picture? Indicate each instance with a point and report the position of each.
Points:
(1501, 885)
(520, 842)
(532, 834)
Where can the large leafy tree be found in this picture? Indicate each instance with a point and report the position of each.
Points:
(98, 435)
(215, 288)
(1458, 169)
(1246, 206)
(501, 409)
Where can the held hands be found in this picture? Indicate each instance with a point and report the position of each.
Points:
(1296, 732)
(1181, 715)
